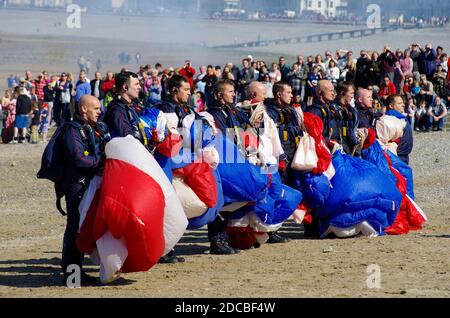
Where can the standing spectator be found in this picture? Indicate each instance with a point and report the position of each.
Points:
(235, 70)
(11, 81)
(8, 106)
(35, 121)
(138, 58)
(285, 69)
(210, 79)
(427, 61)
(33, 96)
(328, 58)
(96, 87)
(83, 87)
(46, 77)
(40, 83)
(44, 124)
(88, 66)
(98, 64)
(108, 83)
(388, 60)
(319, 62)
(155, 90)
(363, 73)
(305, 70)
(29, 81)
(436, 115)
(268, 85)
(295, 79)
(275, 72)
(255, 67)
(188, 71)
(218, 71)
(49, 97)
(63, 97)
(247, 76)
(333, 73)
(349, 73)
(23, 110)
(227, 74)
(199, 84)
(407, 64)
(313, 81)
(375, 70)
(415, 54)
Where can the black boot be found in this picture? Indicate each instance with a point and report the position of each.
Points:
(220, 246)
(275, 238)
(171, 258)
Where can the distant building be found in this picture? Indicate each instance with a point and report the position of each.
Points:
(327, 8)
(39, 3)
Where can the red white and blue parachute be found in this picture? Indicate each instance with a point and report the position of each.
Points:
(133, 215)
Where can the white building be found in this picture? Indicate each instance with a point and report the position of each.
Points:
(39, 3)
(328, 8)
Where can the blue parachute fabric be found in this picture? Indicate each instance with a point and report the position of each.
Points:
(314, 188)
(280, 203)
(360, 192)
(165, 163)
(210, 215)
(241, 181)
(150, 117)
(405, 171)
(374, 154)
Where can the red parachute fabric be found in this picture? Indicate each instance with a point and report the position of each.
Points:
(408, 218)
(85, 239)
(132, 206)
(171, 146)
(200, 178)
(314, 127)
(243, 238)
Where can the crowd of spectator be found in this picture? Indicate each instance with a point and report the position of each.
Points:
(419, 74)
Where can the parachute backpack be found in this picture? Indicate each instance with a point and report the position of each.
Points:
(51, 166)
(52, 163)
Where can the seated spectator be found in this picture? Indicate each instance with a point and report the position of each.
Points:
(426, 89)
(387, 89)
(421, 116)
(436, 115)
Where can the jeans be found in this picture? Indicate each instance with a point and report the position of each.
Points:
(439, 124)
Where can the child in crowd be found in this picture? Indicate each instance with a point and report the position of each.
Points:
(411, 110)
(421, 116)
(35, 120)
(313, 81)
(44, 124)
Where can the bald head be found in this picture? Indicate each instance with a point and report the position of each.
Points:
(89, 108)
(325, 91)
(364, 98)
(257, 91)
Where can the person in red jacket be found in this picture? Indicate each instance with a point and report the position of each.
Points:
(387, 89)
(188, 71)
